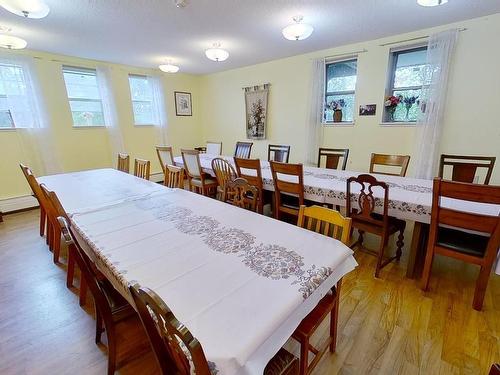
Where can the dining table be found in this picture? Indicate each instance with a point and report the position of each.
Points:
(239, 281)
(410, 199)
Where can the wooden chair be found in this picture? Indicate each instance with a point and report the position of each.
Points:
(214, 148)
(464, 168)
(365, 219)
(37, 193)
(224, 172)
(142, 168)
(329, 223)
(165, 156)
(110, 306)
(332, 156)
(249, 169)
(450, 231)
(175, 348)
(123, 163)
(243, 194)
(243, 150)
(174, 177)
(401, 161)
(495, 369)
(199, 181)
(53, 229)
(279, 153)
(294, 190)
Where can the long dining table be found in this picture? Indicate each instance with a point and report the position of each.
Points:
(241, 282)
(409, 199)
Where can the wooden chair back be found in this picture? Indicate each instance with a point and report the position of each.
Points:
(366, 202)
(332, 157)
(214, 148)
(123, 163)
(464, 168)
(243, 150)
(250, 170)
(400, 161)
(142, 168)
(279, 153)
(243, 194)
(285, 186)
(225, 173)
(169, 338)
(192, 165)
(33, 183)
(55, 207)
(165, 156)
(174, 177)
(325, 221)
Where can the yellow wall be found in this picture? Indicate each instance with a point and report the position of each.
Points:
(86, 148)
(471, 121)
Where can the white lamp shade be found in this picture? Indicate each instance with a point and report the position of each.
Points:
(431, 3)
(12, 42)
(217, 54)
(298, 31)
(26, 8)
(169, 68)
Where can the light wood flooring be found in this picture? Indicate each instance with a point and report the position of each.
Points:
(386, 326)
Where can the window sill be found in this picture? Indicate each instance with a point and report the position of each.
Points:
(8, 129)
(89, 127)
(339, 124)
(143, 125)
(398, 124)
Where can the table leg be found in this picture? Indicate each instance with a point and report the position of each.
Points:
(417, 249)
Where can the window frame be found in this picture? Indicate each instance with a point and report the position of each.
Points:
(13, 125)
(391, 77)
(141, 101)
(327, 93)
(80, 69)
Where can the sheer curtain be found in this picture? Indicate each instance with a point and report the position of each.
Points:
(25, 103)
(314, 127)
(159, 110)
(109, 108)
(432, 101)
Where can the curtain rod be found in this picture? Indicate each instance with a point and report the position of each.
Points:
(267, 84)
(413, 39)
(345, 54)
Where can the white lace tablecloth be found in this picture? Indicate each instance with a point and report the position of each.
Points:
(241, 282)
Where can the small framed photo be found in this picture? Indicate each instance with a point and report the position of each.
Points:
(183, 104)
(367, 110)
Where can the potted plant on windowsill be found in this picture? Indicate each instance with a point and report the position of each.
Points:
(391, 104)
(408, 102)
(336, 106)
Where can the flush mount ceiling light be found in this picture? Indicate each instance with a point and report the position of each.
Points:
(216, 53)
(431, 3)
(169, 68)
(26, 8)
(12, 42)
(297, 30)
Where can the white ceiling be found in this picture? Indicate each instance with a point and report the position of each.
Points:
(146, 32)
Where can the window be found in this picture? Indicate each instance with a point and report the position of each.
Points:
(407, 69)
(84, 97)
(16, 102)
(141, 91)
(340, 89)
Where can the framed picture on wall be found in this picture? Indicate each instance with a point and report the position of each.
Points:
(183, 104)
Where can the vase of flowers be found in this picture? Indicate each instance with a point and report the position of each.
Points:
(408, 101)
(336, 106)
(391, 104)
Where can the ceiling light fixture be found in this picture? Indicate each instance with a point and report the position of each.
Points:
(180, 3)
(26, 8)
(12, 42)
(297, 30)
(216, 53)
(431, 3)
(169, 68)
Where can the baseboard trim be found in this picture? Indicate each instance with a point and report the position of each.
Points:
(17, 203)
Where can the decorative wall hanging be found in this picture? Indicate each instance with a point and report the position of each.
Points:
(256, 110)
(183, 105)
(368, 110)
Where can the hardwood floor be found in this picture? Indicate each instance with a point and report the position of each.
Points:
(386, 326)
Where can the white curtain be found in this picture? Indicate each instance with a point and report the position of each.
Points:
(159, 110)
(27, 107)
(104, 80)
(432, 102)
(314, 127)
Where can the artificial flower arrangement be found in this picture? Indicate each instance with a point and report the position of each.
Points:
(408, 101)
(391, 103)
(336, 106)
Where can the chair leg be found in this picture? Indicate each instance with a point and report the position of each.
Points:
(83, 291)
(304, 357)
(426, 273)
(110, 332)
(481, 284)
(400, 243)
(43, 216)
(380, 257)
(361, 238)
(71, 270)
(334, 318)
(98, 326)
(48, 238)
(56, 243)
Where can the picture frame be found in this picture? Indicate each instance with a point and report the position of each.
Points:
(183, 103)
(368, 110)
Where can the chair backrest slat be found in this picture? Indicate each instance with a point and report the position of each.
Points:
(243, 150)
(174, 177)
(243, 194)
(325, 218)
(279, 153)
(401, 161)
(224, 172)
(142, 168)
(464, 168)
(191, 159)
(283, 186)
(333, 156)
(123, 163)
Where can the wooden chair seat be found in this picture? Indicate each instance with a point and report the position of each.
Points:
(283, 363)
(463, 242)
(208, 182)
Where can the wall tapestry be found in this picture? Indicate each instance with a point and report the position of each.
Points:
(256, 110)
